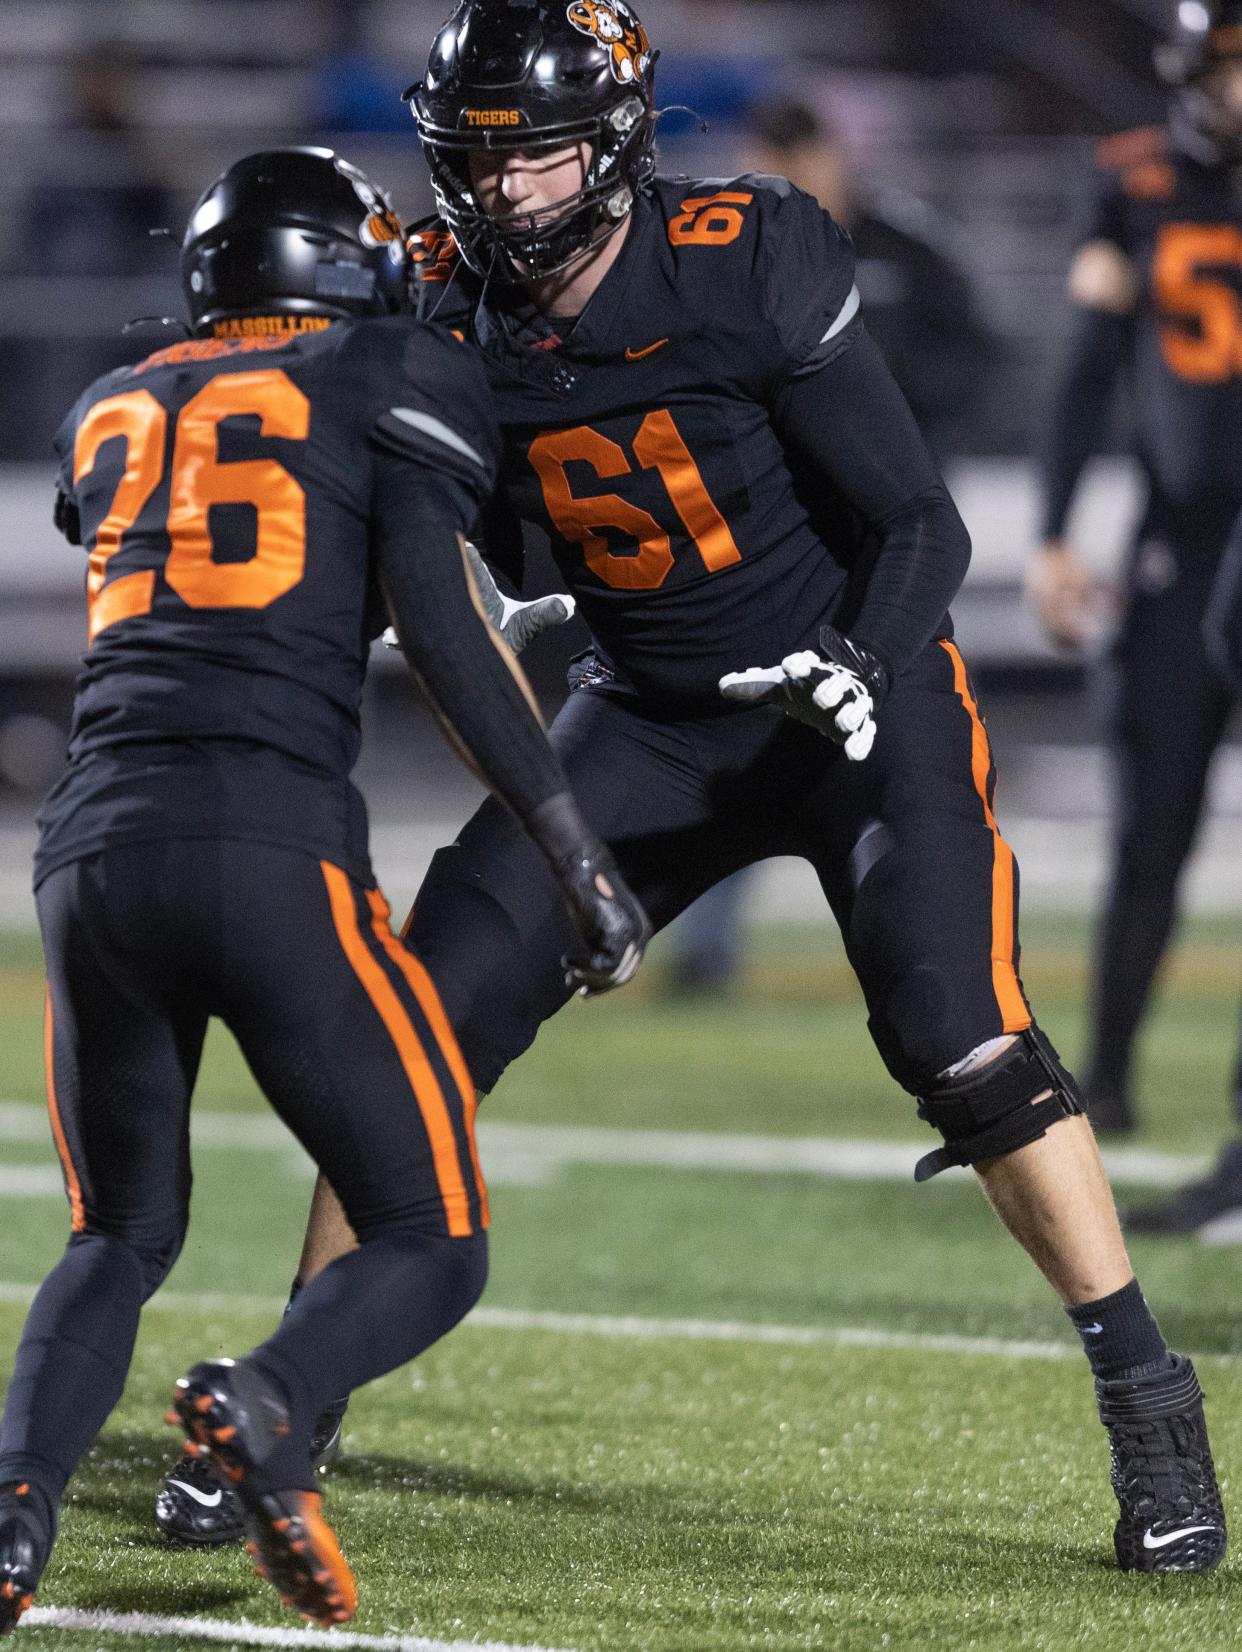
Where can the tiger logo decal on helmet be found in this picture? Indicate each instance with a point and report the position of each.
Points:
(615, 26)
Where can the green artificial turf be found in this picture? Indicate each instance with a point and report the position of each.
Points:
(581, 1491)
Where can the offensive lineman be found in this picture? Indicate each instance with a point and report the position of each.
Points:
(205, 853)
(693, 411)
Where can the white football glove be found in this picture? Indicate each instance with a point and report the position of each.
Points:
(833, 695)
(519, 623)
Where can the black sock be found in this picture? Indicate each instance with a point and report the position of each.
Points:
(1121, 1339)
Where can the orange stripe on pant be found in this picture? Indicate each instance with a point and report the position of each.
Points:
(1014, 1012)
(72, 1185)
(427, 1092)
(424, 989)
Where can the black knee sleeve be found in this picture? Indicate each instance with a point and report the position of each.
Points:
(992, 1111)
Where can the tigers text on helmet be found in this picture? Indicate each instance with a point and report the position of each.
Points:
(288, 240)
(1206, 37)
(537, 76)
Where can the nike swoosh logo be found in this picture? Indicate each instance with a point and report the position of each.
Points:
(1150, 1542)
(1092, 1330)
(209, 1500)
(637, 355)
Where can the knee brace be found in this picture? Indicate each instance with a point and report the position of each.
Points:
(992, 1111)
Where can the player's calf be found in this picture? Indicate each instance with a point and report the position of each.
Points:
(27, 1532)
(237, 1415)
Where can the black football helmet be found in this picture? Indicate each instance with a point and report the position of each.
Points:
(537, 75)
(1206, 34)
(292, 232)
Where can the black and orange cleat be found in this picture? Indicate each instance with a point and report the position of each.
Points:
(235, 1413)
(295, 1549)
(26, 1539)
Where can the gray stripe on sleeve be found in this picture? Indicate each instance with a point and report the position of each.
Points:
(439, 431)
(848, 311)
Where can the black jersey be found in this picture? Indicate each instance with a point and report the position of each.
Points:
(1179, 223)
(643, 443)
(222, 489)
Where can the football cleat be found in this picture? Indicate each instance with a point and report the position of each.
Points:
(234, 1412)
(1171, 1516)
(326, 1436)
(197, 1506)
(1217, 1197)
(25, 1544)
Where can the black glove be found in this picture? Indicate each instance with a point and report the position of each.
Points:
(613, 926)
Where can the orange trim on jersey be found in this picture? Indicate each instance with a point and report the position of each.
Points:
(423, 1082)
(424, 989)
(73, 1186)
(1014, 1012)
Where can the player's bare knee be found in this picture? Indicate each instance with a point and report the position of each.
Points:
(1001, 1096)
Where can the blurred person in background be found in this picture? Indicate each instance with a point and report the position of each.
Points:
(1156, 287)
(87, 213)
(921, 312)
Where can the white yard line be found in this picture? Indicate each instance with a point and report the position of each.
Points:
(637, 1328)
(248, 1634)
(537, 1152)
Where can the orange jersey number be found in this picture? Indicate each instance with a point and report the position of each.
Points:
(1212, 352)
(658, 446)
(198, 482)
(709, 220)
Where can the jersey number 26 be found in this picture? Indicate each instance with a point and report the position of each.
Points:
(198, 481)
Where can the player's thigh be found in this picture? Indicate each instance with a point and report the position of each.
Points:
(124, 1028)
(347, 1037)
(923, 884)
(490, 922)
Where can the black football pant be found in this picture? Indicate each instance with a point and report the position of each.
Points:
(346, 1036)
(1169, 711)
(905, 845)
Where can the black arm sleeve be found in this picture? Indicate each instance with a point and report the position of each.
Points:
(499, 535)
(466, 671)
(1099, 343)
(852, 423)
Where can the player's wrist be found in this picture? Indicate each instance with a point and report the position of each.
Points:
(566, 841)
(863, 658)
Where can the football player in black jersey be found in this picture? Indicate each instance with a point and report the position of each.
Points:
(244, 497)
(739, 500)
(1157, 292)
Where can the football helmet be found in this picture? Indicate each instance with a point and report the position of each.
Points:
(292, 232)
(1206, 35)
(538, 75)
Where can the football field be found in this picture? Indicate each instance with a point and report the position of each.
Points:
(736, 1382)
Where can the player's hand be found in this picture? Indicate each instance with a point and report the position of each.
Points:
(613, 926)
(1064, 594)
(519, 623)
(830, 693)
